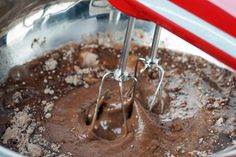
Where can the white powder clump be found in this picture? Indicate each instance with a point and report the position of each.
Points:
(48, 91)
(168, 154)
(68, 54)
(73, 80)
(34, 150)
(50, 64)
(48, 107)
(19, 123)
(77, 69)
(116, 131)
(198, 153)
(66, 155)
(48, 115)
(104, 125)
(89, 59)
(55, 147)
(41, 129)
(17, 97)
(21, 129)
(219, 122)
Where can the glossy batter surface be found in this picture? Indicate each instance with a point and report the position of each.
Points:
(46, 106)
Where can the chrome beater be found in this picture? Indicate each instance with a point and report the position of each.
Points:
(120, 75)
(151, 63)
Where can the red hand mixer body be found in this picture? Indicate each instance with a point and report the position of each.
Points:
(208, 24)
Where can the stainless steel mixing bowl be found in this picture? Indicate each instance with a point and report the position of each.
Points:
(53, 23)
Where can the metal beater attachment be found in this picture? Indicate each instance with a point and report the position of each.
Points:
(151, 64)
(120, 75)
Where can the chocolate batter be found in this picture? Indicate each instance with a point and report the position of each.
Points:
(56, 96)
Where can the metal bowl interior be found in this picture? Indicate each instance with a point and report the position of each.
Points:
(50, 26)
(31, 29)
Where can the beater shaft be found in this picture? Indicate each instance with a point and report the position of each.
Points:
(155, 43)
(127, 43)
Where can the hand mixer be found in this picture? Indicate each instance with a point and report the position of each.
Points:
(210, 27)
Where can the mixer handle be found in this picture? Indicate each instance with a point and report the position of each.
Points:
(208, 26)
